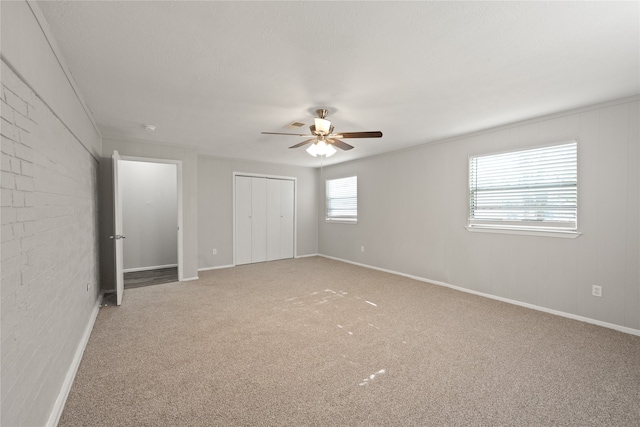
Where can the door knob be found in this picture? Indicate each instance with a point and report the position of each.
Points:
(118, 236)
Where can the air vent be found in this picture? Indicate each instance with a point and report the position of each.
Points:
(295, 125)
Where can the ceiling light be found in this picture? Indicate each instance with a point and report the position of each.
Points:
(313, 150)
(323, 126)
(321, 148)
(330, 151)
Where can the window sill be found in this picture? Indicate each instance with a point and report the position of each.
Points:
(341, 221)
(524, 231)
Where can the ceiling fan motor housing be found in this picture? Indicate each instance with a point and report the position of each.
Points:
(322, 126)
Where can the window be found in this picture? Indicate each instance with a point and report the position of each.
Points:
(534, 190)
(342, 199)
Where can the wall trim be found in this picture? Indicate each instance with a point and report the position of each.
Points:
(231, 265)
(613, 326)
(51, 110)
(308, 255)
(61, 400)
(53, 45)
(218, 267)
(189, 279)
(153, 267)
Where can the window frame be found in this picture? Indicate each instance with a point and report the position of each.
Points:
(340, 219)
(514, 227)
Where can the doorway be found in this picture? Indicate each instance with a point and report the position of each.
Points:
(150, 197)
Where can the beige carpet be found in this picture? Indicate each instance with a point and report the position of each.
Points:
(319, 342)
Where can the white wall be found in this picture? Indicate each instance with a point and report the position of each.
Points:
(49, 248)
(412, 209)
(149, 213)
(215, 207)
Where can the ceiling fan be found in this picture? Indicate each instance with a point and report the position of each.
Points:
(324, 139)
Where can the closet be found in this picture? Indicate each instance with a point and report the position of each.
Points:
(264, 219)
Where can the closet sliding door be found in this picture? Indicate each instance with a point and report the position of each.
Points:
(258, 219)
(264, 219)
(280, 209)
(243, 220)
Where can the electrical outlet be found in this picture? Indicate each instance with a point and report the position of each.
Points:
(215, 251)
(361, 248)
(596, 291)
(88, 286)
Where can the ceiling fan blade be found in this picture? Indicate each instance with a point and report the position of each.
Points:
(303, 143)
(280, 133)
(340, 144)
(374, 134)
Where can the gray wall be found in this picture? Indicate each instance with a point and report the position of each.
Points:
(149, 214)
(412, 209)
(136, 148)
(215, 207)
(49, 246)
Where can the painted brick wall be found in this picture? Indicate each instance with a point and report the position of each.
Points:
(49, 252)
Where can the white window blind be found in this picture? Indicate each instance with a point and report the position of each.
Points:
(342, 199)
(530, 189)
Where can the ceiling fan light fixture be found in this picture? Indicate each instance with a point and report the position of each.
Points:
(321, 148)
(313, 150)
(323, 126)
(330, 151)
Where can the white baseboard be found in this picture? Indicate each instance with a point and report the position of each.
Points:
(188, 279)
(215, 268)
(231, 265)
(58, 407)
(307, 255)
(153, 267)
(620, 328)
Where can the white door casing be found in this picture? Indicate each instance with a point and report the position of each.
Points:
(179, 225)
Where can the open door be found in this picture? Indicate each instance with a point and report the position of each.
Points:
(117, 227)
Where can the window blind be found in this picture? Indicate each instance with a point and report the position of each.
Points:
(535, 189)
(342, 199)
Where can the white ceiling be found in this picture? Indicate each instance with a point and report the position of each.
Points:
(215, 74)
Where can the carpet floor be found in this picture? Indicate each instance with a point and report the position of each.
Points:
(313, 341)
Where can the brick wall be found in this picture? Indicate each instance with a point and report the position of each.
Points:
(49, 252)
